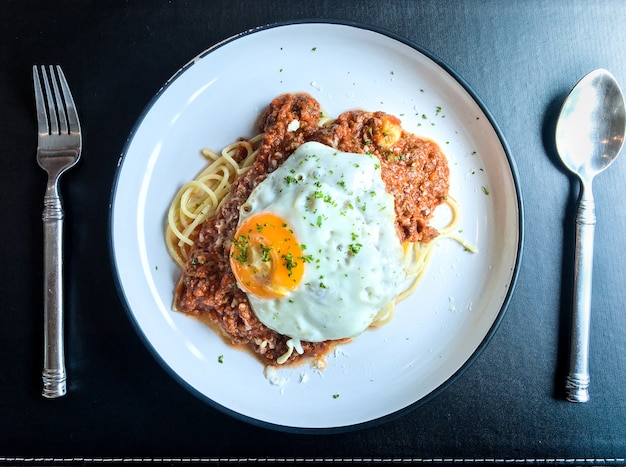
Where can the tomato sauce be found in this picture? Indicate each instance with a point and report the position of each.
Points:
(415, 172)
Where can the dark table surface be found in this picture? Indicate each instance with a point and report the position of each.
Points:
(521, 58)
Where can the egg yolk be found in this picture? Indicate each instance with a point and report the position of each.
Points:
(265, 256)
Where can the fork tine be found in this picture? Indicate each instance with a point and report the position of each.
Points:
(60, 104)
(40, 103)
(72, 114)
(52, 110)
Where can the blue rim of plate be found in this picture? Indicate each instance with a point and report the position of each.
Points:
(505, 303)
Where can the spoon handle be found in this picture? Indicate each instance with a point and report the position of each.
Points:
(577, 383)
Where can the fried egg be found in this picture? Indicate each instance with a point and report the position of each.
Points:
(316, 249)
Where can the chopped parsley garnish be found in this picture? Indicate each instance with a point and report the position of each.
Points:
(289, 180)
(355, 247)
(306, 259)
(266, 257)
(289, 262)
(241, 249)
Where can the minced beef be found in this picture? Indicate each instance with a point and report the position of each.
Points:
(414, 170)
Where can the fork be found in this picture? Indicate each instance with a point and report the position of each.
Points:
(59, 146)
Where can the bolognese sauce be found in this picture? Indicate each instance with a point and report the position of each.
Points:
(414, 170)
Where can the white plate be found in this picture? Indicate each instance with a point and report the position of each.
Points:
(434, 335)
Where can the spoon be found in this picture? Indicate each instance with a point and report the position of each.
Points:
(589, 136)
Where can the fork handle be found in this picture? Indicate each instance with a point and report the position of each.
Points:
(577, 382)
(54, 377)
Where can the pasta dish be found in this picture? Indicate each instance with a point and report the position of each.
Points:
(303, 236)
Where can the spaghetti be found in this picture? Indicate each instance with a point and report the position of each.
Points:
(417, 256)
(203, 213)
(200, 198)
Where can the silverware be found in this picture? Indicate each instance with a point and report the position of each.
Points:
(589, 136)
(58, 149)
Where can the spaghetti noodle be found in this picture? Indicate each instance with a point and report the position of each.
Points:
(417, 256)
(209, 196)
(200, 198)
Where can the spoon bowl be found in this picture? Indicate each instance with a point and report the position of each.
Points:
(590, 128)
(589, 136)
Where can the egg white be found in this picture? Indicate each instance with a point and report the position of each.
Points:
(341, 215)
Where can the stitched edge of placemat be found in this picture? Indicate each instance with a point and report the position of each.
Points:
(586, 461)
